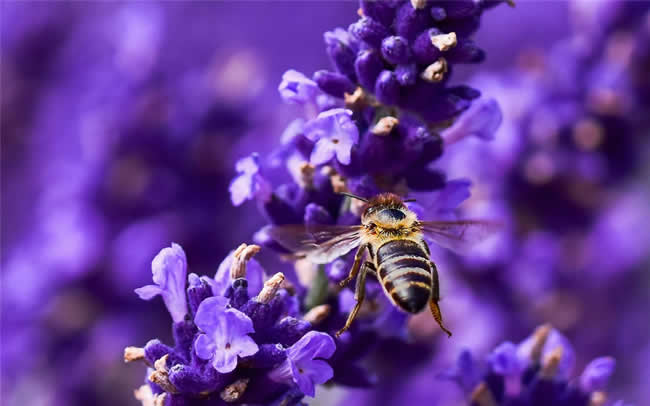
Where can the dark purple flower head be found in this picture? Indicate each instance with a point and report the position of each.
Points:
(169, 269)
(226, 334)
(302, 366)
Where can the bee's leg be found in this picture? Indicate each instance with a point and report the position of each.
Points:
(359, 294)
(355, 266)
(435, 297)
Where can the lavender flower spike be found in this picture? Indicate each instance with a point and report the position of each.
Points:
(250, 184)
(334, 133)
(226, 334)
(301, 367)
(169, 269)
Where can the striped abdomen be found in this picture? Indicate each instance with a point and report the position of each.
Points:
(404, 270)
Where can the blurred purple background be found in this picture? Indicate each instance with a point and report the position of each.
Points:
(121, 123)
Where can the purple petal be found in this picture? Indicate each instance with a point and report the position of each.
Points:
(238, 323)
(169, 270)
(504, 361)
(320, 371)
(245, 347)
(224, 361)
(305, 384)
(241, 190)
(209, 311)
(597, 374)
(248, 165)
(482, 120)
(323, 152)
(204, 347)
(148, 292)
(312, 345)
(297, 88)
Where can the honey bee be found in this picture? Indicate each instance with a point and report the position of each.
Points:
(397, 255)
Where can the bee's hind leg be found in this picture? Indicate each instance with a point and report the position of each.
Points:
(435, 297)
(355, 266)
(359, 295)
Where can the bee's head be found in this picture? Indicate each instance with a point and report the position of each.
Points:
(387, 211)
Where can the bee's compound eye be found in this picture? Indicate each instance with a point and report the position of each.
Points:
(371, 226)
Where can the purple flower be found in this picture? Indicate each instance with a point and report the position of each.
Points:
(169, 269)
(597, 374)
(481, 120)
(297, 88)
(504, 361)
(250, 183)
(334, 133)
(226, 334)
(301, 365)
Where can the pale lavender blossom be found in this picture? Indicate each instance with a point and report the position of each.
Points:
(249, 184)
(334, 133)
(301, 366)
(296, 88)
(169, 269)
(226, 334)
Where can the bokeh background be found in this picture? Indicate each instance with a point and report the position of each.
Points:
(121, 123)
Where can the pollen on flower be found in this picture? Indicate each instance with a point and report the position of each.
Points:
(235, 390)
(270, 288)
(436, 71)
(483, 396)
(317, 314)
(242, 255)
(385, 125)
(132, 354)
(145, 395)
(444, 42)
(160, 376)
(551, 363)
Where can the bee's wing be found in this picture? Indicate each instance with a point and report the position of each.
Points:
(459, 236)
(319, 244)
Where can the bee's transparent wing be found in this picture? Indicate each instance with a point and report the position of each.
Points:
(320, 244)
(459, 236)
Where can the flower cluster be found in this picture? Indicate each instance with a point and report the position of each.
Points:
(371, 125)
(235, 340)
(535, 372)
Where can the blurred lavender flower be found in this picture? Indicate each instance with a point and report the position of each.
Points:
(564, 173)
(531, 373)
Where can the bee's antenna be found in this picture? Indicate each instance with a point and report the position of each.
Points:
(354, 196)
(409, 200)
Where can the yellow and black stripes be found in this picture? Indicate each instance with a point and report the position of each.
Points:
(404, 269)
